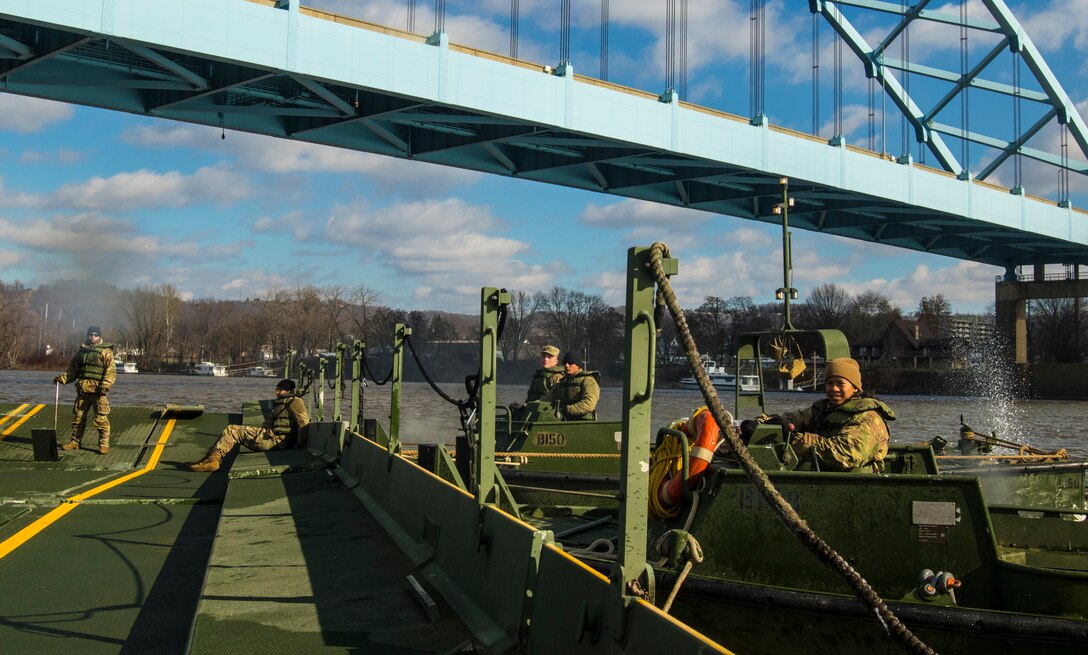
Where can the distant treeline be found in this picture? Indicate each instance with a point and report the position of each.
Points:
(157, 328)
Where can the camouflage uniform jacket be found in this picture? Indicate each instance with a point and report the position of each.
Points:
(576, 396)
(92, 369)
(288, 416)
(852, 436)
(543, 380)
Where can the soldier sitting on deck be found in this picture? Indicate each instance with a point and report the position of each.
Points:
(280, 430)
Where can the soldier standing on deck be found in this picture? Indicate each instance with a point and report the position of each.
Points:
(546, 376)
(93, 372)
(280, 430)
(576, 394)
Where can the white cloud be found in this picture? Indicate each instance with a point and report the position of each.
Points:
(11, 258)
(17, 199)
(144, 189)
(91, 235)
(24, 114)
(630, 213)
(447, 248)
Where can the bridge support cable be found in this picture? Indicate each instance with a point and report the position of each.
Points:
(965, 94)
(564, 34)
(815, 74)
(837, 138)
(670, 46)
(514, 11)
(604, 40)
(439, 16)
(757, 57)
(1017, 125)
(410, 22)
(683, 48)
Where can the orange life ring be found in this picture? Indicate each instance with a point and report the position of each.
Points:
(701, 427)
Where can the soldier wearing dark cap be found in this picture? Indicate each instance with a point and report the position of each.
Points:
(847, 430)
(93, 372)
(546, 376)
(280, 430)
(576, 394)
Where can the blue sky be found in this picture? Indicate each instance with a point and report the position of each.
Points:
(133, 201)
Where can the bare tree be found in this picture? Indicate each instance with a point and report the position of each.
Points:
(870, 313)
(827, 307)
(145, 324)
(567, 315)
(934, 311)
(520, 318)
(708, 327)
(17, 325)
(1052, 331)
(363, 301)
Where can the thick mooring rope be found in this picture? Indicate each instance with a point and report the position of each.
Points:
(793, 522)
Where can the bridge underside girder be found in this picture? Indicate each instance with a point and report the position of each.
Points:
(144, 78)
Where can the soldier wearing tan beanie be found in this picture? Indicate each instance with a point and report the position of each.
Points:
(845, 431)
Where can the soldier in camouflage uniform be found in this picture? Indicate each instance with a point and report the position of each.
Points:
(280, 430)
(576, 394)
(93, 371)
(845, 431)
(546, 376)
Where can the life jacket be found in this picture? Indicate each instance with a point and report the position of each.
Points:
(829, 419)
(543, 380)
(569, 391)
(281, 416)
(90, 362)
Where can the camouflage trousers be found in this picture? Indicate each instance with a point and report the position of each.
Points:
(85, 402)
(252, 437)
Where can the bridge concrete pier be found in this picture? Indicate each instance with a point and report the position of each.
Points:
(1011, 294)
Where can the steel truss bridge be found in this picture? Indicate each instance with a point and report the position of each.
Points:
(274, 68)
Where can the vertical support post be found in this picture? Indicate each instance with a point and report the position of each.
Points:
(402, 333)
(320, 389)
(336, 411)
(639, 344)
(787, 292)
(491, 303)
(357, 355)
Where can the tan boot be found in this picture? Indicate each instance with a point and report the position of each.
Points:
(71, 445)
(103, 449)
(209, 464)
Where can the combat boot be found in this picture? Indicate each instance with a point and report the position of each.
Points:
(71, 445)
(209, 464)
(103, 449)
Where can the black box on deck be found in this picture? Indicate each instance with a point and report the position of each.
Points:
(45, 444)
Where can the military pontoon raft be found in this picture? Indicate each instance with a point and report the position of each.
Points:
(343, 546)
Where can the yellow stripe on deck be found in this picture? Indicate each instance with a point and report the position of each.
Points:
(11, 428)
(27, 533)
(15, 412)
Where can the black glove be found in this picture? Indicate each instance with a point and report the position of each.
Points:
(58, 380)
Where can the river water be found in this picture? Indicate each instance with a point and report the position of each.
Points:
(425, 416)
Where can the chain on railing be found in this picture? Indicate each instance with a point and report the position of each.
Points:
(789, 517)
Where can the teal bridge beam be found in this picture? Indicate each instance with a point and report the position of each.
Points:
(272, 67)
(927, 129)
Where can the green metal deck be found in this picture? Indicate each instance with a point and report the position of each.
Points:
(250, 564)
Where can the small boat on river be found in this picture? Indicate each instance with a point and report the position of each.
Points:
(125, 367)
(210, 368)
(722, 379)
(259, 372)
